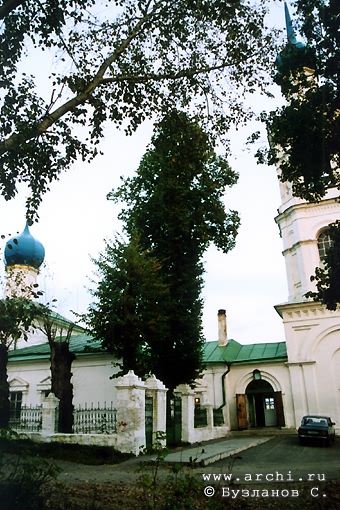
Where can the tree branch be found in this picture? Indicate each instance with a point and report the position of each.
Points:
(185, 73)
(81, 98)
(8, 6)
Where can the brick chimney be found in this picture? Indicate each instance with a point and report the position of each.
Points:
(222, 328)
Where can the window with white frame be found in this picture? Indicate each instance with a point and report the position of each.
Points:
(15, 405)
(269, 403)
(324, 243)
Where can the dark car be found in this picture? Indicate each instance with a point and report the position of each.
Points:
(314, 427)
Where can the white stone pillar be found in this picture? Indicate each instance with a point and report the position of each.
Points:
(50, 408)
(298, 392)
(310, 379)
(210, 415)
(188, 412)
(156, 389)
(130, 413)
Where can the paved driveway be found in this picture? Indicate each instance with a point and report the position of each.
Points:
(282, 459)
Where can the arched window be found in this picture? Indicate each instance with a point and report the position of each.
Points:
(324, 242)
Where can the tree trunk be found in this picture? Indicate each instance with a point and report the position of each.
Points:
(61, 362)
(4, 389)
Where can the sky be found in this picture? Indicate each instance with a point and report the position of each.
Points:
(75, 218)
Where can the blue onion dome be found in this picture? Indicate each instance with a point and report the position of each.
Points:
(295, 55)
(24, 250)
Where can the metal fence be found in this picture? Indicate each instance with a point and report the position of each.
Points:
(29, 419)
(218, 417)
(95, 420)
(200, 417)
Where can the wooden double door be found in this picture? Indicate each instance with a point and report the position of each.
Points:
(259, 406)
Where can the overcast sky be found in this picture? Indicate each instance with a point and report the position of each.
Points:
(75, 218)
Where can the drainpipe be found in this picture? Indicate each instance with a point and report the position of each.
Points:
(224, 375)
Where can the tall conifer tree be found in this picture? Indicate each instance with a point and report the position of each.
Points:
(175, 204)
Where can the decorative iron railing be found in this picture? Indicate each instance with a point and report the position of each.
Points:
(218, 417)
(29, 419)
(95, 420)
(200, 417)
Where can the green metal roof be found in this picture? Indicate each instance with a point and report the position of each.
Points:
(79, 344)
(213, 353)
(234, 353)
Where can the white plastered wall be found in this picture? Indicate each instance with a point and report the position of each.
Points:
(91, 380)
(300, 224)
(237, 380)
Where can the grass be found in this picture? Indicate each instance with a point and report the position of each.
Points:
(81, 454)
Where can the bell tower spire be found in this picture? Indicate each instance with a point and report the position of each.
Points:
(289, 26)
(311, 331)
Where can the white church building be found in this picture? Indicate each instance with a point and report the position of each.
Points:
(249, 386)
(256, 385)
(275, 384)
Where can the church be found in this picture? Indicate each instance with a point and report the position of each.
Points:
(251, 386)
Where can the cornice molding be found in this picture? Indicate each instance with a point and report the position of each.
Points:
(299, 363)
(311, 208)
(305, 310)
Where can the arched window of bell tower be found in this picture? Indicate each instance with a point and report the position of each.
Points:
(324, 242)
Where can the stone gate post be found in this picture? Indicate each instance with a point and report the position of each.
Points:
(50, 408)
(156, 389)
(130, 406)
(188, 411)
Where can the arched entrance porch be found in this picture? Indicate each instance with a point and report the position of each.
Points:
(259, 406)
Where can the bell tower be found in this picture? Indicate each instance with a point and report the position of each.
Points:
(312, 332)
(302, 224)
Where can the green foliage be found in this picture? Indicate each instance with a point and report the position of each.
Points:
(126, 315)
(22, 477)
(175, 200)
(148, 476)
(12, 443)
(305, 134)
(327, 277)
(178, 492)
(292, 62)
(16, 317)
(157, 447)
(120, 61)
(174, 204)
(61, 358)
(177, 486)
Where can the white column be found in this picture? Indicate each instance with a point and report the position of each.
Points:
(298, 391)
(130, 413)
(50, 408)
(156, 389)
(310, 385)
(188, 412)
(210, 415)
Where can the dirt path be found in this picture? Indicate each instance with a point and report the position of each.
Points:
(109, 487)
(126, 472)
